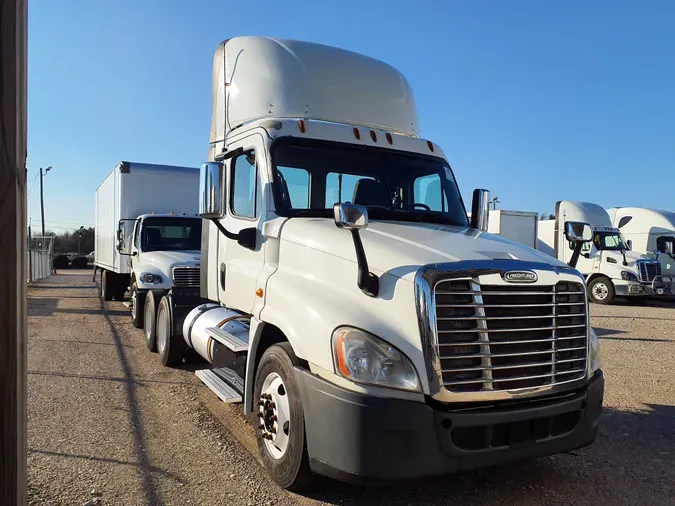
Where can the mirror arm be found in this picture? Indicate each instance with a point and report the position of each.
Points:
(623, 254)
(575, 254)
(245, 237)
(368, 282)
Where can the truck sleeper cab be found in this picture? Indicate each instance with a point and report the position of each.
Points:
(370, 329)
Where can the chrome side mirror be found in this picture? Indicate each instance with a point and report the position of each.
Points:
(212, 190)
(350, 216)
(480, 210)
(576, 231)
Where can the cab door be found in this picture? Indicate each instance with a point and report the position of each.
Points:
(245, 196)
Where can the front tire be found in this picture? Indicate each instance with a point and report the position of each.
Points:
(171, 348)
(137, 306)
(601, 291)
(107, 282)
(150, 319)
(281, 424)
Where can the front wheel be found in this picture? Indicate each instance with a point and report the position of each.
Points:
(601, 291)
(171, 348)
(281, 424)
(137, 306)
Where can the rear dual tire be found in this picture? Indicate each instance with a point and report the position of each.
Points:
(113, 286)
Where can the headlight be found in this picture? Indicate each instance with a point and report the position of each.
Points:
(364, 358)
(149, 278)
(628, 276)
(595, 352)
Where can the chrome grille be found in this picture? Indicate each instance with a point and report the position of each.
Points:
(186, 276)
(510, 337)
(648, 271)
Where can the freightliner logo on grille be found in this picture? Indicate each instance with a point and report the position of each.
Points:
(520, 277)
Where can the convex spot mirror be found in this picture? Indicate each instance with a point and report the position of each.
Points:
(350, 216)
(576, 231)
(212, 191)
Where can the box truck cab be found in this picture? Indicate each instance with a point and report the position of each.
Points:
(371, 330)
(148, 235)
(650, 232)
(610, 267)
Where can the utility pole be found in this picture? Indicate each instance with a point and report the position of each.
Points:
(42, 200)
(13, 138)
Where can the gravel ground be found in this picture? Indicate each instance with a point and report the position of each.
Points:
(109, 425)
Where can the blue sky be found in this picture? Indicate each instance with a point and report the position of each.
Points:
(536, 101)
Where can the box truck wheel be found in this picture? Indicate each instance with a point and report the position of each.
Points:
(171, 348)
(137, 305)
(107, 285)
(281, 425)
(601, 290)
(152, 299)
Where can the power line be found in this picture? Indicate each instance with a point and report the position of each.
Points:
(34, 181)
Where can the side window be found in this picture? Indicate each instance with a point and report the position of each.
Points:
(623, 221)
(245, 199)
(427, 191)
(294, 187)
(340, 187)
(137, 234)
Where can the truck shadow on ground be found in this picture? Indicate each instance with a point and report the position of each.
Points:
(611, 335)
(626, 440)
(48, 306)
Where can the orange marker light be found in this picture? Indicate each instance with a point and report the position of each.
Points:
(301, 124)
(259, 293)
(357, 134)
(340, 355)
(389, 139)
(431, 146)
(373, 135)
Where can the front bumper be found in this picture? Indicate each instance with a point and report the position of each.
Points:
(659, 286)
(357, 437)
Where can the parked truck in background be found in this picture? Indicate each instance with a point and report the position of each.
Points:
(148, 238)
(650, 232)
(371, 330)
(610, 267)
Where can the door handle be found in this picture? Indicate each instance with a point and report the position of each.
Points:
(222, 276)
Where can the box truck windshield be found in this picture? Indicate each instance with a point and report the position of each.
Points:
(310, 178)
(171, 234)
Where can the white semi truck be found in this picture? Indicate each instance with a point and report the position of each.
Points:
(610, 267)
(148, 238)
(371, 330)
(650, 232)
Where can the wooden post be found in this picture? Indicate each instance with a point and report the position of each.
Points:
(13, 58)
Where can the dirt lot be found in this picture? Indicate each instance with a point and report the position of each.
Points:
(109, 425)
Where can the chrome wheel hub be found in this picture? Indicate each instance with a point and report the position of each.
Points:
(600, 291)
(274, 414)
(134, 305)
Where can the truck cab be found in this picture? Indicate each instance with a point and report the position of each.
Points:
(650, 232)
(368, 326)
(610, 267)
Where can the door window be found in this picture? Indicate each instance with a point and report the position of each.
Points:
(427, 193)
(245, 192)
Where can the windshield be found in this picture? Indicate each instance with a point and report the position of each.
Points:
(171, 234)
(612, 241)
(311, 177)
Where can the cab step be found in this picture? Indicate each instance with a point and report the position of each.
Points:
(127, 304)
(224, 382)
(234, 343)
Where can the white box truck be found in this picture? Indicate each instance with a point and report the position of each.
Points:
(148, 238)
(650, 232)
(610, 267)
(518, 226)
(370, 328)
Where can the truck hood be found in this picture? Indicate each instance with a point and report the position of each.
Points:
(166, 260)
(400, 248)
